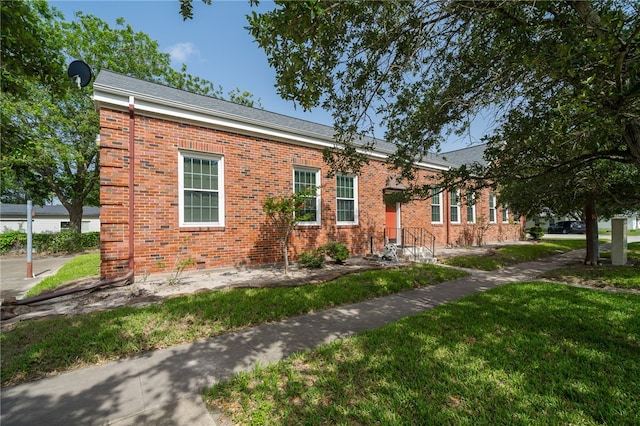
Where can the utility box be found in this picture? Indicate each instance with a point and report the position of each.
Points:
(619, 241)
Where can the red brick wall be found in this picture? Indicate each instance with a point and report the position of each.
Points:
(254, 169)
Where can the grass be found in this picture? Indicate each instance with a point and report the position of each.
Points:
(82, 266)
(512, 254)
(531, 353)
(40, 347)
(627, 276)
(630, 232)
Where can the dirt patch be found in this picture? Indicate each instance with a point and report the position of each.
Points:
(153, 289)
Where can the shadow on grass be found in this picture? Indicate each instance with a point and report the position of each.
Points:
(518, 354)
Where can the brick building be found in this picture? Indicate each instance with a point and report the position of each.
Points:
(202, 168)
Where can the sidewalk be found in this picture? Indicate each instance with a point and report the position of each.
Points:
(163, 387)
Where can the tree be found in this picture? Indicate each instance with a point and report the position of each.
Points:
(50, 126)
(29, 49)
(427, 68)
(284, 213)
(562, 76)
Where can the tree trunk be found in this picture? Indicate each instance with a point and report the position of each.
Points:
(593, 245)
(75, 216)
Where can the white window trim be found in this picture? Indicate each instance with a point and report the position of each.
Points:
(471, 198)
(355, 201)
(441, 198)
(318, 220)
(456, 206)
(221, 204)
(505, 214)
(492, 198)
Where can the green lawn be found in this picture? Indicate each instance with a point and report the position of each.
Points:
(532, 353)
(81, 266)
(630, 232)
(517, 253)
(605, 275)
(38, 347)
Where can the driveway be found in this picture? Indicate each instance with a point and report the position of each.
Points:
(13, 272)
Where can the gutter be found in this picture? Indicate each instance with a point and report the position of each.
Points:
(132, 145)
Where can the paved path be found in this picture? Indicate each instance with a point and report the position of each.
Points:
(163, 387)
(13, 272)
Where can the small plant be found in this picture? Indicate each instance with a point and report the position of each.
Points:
(535, 232)
(284, 213)
(481, 228)
(181, 265)
(336, 250)
(313, 259)
(467, 236)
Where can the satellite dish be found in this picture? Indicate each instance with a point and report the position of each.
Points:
(80, 73)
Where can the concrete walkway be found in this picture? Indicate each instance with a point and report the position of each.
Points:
(163, 387)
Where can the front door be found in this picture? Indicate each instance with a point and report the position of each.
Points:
(391, 223)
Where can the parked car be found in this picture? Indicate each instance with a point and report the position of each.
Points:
(567, 227)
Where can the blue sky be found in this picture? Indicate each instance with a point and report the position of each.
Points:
(214, 45)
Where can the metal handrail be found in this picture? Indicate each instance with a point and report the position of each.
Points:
(411, 239)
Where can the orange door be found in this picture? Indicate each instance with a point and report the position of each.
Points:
(391, 222)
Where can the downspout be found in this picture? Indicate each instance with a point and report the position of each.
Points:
(447, 215)
(132, 124)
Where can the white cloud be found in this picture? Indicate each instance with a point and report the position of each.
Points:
(180, 52)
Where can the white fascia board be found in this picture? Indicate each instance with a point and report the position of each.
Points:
(105, 96)
(433, 166)
(206, 118)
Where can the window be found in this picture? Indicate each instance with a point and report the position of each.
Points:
(454, 197)
(471, 207)
(65, 226)
(505, 214)
(304, 179)
(346, 199)
(492, 208)
(201, 197)
(436, 205)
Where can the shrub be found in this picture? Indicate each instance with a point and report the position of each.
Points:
(337, 251)
(12, 240)
(313, 259)
(62, 242)
(535, 232)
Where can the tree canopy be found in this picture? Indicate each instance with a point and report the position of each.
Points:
(427, 68)
(49, 125)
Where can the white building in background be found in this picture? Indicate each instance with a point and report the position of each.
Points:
(46, 219)
(633, 222)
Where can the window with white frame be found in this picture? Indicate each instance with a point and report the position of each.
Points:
(436, 205)
(346, 199)
(471, 207)
(201, 182)
(505, 214)
(454, 207)
(492, 207)
(308, 179)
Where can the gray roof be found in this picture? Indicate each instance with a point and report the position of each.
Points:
(469, 155)
(57, 210)
(121, 83)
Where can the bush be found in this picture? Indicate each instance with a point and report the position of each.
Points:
(62, 242)
(337, 251)
(535, 232)
(12, 240)
(313, 259)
